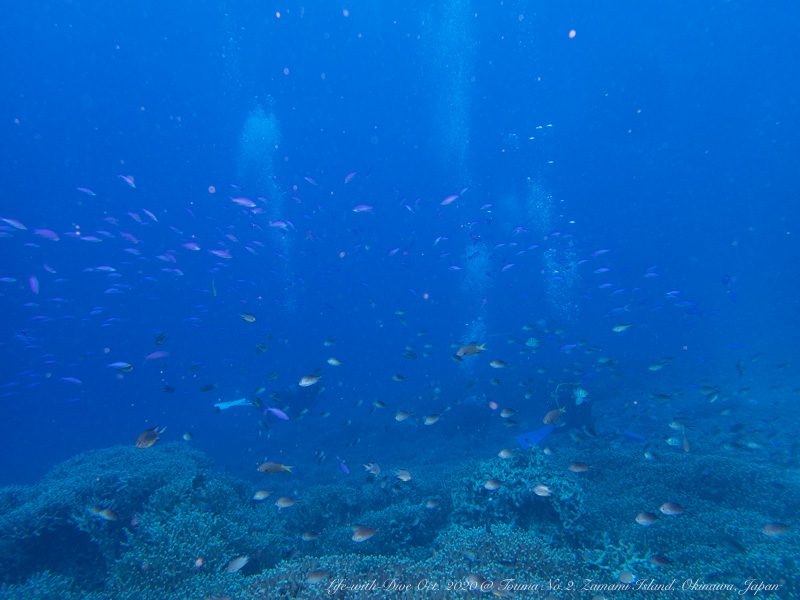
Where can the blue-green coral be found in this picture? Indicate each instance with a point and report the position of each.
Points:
(174, 509)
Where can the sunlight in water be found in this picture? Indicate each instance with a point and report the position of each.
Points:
(258, 148)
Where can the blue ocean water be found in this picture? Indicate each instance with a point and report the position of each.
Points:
(221, 199)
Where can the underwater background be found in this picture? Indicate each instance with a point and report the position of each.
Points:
(399, 300)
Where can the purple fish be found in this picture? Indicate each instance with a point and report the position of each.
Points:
(128, 179)
(349, 177)
(72, 380)
(14, 223)
(362, 208)
(130, 237)
(120, 366)
(34, 284)
(157, 354)
(344, 468)
(246, 202)
(278, 413)
(449, 199)
(46, 233)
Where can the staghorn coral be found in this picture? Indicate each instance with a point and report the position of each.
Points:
(515, 502)
(174, 509)
(47, 586)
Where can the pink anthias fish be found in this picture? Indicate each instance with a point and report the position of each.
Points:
(362, 208)
(246, 202)
(47, 233)
(450, 199)
(130, 237)
(34, 282)
(86, 191)
(277, 412)
(156, 355)
(349, 177)
(14, 223)
(128, 179)
(221, 253)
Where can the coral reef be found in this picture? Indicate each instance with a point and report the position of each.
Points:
(160, 523)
